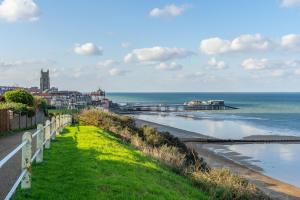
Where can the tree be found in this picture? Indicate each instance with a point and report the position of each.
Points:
(19, 96)
(39, 103)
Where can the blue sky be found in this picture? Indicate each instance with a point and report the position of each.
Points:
(139, 45)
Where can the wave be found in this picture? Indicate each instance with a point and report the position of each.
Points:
(214, 116)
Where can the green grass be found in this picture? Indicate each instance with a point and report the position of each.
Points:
(63, 111)
(88, 163)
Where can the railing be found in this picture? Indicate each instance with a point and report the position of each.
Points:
(44, 135)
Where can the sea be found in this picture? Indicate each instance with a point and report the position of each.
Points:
(257, 114)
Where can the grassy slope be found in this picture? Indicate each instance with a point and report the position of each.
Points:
(88, 163)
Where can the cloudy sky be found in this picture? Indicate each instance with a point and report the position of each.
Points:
(146, 46)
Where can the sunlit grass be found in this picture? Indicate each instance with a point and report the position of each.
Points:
(88, 163)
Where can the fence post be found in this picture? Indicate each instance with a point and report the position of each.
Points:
(39, 143)
(57, 124)
(26, 160)
(64, 120)
(53, 129)
(60, 123)
(47, 135)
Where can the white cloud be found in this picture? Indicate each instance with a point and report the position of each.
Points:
(273, 68)
(291, 41)
(216, 45)
(26, 62)
(71, 72)
(77, 72)
(290, 3)
(278, 73)
(255, 64)
(125, 45)
(297, 71)
(191, 75)
(250, 42)
(217, 64)
(19, 10)
(4, 64)
(169, 66)
(156, 55)
(260, 64)
(196, 76)
(168, 11)
(88, 49)
(117, 72)
(107, 63)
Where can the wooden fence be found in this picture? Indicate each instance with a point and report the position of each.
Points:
(4, 121)
(10, 120)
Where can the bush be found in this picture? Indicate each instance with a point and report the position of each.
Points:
(19, 96)
(222, 184)
(152, 137)
(39, 103)
(16, 107)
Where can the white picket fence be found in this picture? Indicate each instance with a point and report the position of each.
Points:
(44, 135)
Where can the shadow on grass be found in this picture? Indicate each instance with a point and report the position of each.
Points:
(78, 167)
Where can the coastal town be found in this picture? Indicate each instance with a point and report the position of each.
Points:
(63, 99)
(75, 100)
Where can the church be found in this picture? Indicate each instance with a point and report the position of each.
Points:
(44, 81)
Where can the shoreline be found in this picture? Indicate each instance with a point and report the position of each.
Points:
(276, 189)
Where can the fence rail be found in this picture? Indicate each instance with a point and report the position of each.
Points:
(44, 135)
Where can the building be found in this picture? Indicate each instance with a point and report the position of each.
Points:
(4, 89)
(34, 90)
(69, 99)
(216, 102)
(97, 97)
(44, 81)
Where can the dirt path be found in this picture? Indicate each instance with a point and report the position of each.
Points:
(274, 188)
(12, 169)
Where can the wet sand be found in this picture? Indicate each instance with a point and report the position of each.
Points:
(274, 188)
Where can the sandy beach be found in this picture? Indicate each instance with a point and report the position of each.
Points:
(276, 189)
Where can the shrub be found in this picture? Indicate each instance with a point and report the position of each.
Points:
(222, 184)
(152, 137)
(39, 103)
(19, 96)
(16, 107)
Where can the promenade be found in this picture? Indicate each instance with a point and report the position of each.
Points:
(12, 169)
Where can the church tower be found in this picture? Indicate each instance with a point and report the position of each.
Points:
(44, 80)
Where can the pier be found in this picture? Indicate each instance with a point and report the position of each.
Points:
(171, 108)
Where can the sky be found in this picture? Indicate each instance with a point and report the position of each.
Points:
(152, 46)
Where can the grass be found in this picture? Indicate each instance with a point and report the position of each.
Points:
(88, 163)
(63, 111)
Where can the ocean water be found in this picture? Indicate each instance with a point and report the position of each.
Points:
(258, 114)
(277, 113)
